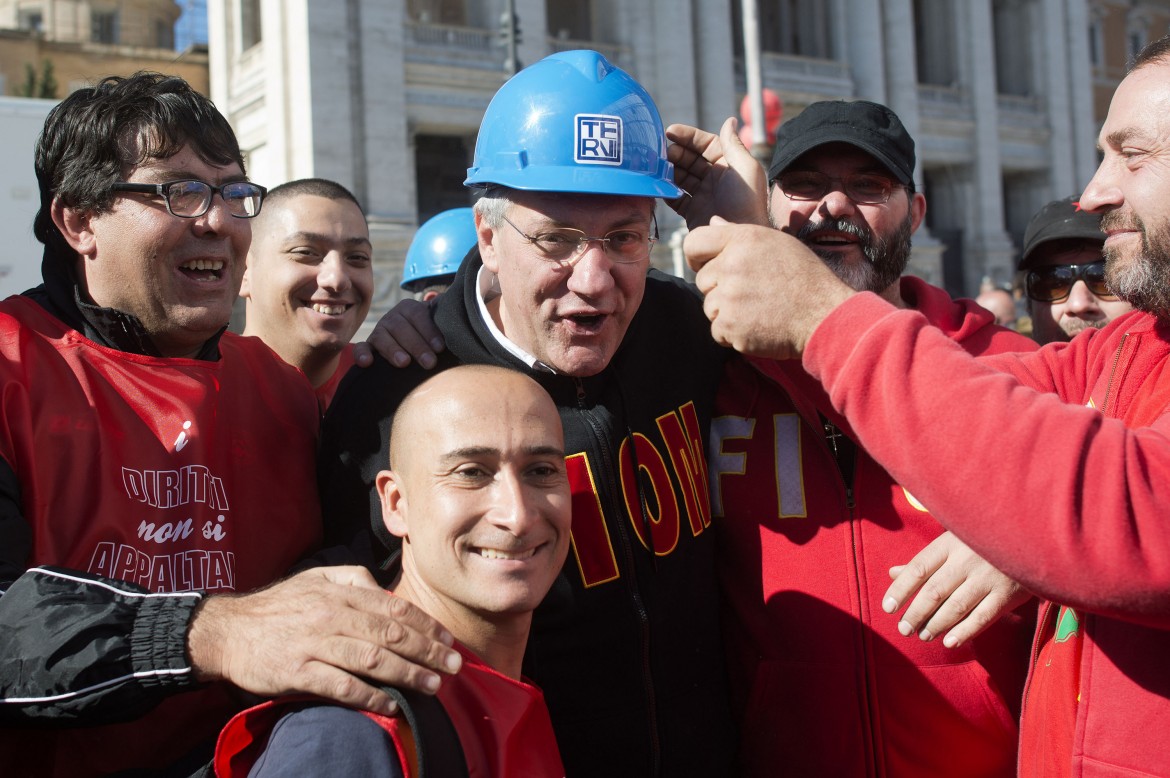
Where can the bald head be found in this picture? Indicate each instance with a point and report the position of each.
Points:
(480, 497)
(454, 397)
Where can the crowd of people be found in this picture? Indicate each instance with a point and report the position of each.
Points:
(576, 517)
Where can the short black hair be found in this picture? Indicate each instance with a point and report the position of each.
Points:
(316, 187)
(98, 134)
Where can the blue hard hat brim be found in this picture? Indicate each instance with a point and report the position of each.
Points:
(577, 180)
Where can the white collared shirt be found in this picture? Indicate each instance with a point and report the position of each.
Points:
(486, 292)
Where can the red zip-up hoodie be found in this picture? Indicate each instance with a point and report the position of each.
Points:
(1072, 501)
(824, 682)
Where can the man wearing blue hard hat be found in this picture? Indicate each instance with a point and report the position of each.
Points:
(571, 158)
(434, 255)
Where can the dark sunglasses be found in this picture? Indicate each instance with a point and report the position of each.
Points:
(1053, 284)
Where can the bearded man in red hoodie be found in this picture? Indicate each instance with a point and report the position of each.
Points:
(812, 523)
(1085, 525)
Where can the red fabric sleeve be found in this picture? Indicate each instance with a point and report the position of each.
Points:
(1067, 501)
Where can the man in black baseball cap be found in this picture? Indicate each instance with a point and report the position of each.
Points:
(1065, 273)
(793, 488)
(842, 181)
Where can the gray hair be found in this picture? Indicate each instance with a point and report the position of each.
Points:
(493, 204)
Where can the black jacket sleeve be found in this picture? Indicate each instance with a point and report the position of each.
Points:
(79, 649)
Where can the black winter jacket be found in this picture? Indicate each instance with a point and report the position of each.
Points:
(626, 646)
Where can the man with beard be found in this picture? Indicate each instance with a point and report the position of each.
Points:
(1065, 280)
(1084, 525)
(824, 679)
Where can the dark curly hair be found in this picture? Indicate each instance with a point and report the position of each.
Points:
(98, 134)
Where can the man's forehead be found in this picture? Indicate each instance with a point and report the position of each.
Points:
(1138, 110)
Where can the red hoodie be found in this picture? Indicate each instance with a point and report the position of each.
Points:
(825, 683)
(1070, 500)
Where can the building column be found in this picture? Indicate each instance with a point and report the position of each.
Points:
(1056, 89)
(864, 49)
(1079, 79)
(902, 88)
(988, 250)
(714, 69)
(383, 163)
(533, 30)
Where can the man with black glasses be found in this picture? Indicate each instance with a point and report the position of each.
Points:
(824, 679)
(151, 464)
(1065, 273)
(570, 158)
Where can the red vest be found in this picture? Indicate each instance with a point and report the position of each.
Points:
(503, 726)
(175, 474)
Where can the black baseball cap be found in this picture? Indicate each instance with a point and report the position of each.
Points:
(1060, 220)
(871, 127)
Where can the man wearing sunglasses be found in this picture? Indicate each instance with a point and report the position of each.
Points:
(825, 680)
(151, 465)
(1065, 273)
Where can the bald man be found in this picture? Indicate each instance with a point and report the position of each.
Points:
(479, 494)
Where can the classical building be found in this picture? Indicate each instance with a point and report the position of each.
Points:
(1003, 96)
(55, 47)
(82, 40)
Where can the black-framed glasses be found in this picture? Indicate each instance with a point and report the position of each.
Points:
(861, 188)
(566, 245)
(1054, 284)
(190, 198)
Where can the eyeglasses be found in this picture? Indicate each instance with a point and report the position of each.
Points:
(190, 199)
(566, 245)
(1054, 284)
(861, 188)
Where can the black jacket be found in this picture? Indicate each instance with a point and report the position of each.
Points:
(626, 646)
(44, 680)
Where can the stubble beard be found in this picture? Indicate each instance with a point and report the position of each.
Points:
(1140, 278)
(1073, 326)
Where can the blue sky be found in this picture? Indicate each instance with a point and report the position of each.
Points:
(192, 24)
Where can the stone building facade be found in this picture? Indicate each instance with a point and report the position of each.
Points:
(1003, 96)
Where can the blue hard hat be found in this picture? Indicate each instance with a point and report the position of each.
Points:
(438, 247)
(573, 122)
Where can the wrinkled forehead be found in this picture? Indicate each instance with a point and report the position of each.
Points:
(1139, 108)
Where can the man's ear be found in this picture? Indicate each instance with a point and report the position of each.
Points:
(487, 244)
(393, 502)
(917, 210)
(246, 285)
(75, 225)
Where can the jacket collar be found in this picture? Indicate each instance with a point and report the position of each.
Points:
(65, 299)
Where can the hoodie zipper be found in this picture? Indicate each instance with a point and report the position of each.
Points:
(627, 552)
(1113, 372)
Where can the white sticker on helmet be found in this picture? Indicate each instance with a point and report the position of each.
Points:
(597, 139)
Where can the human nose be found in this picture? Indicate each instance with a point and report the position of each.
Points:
(592, 272)
(512, 507)
(331, 273)
(217, 219)
(1102, 193)
(1080, 300)
(836, 203)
